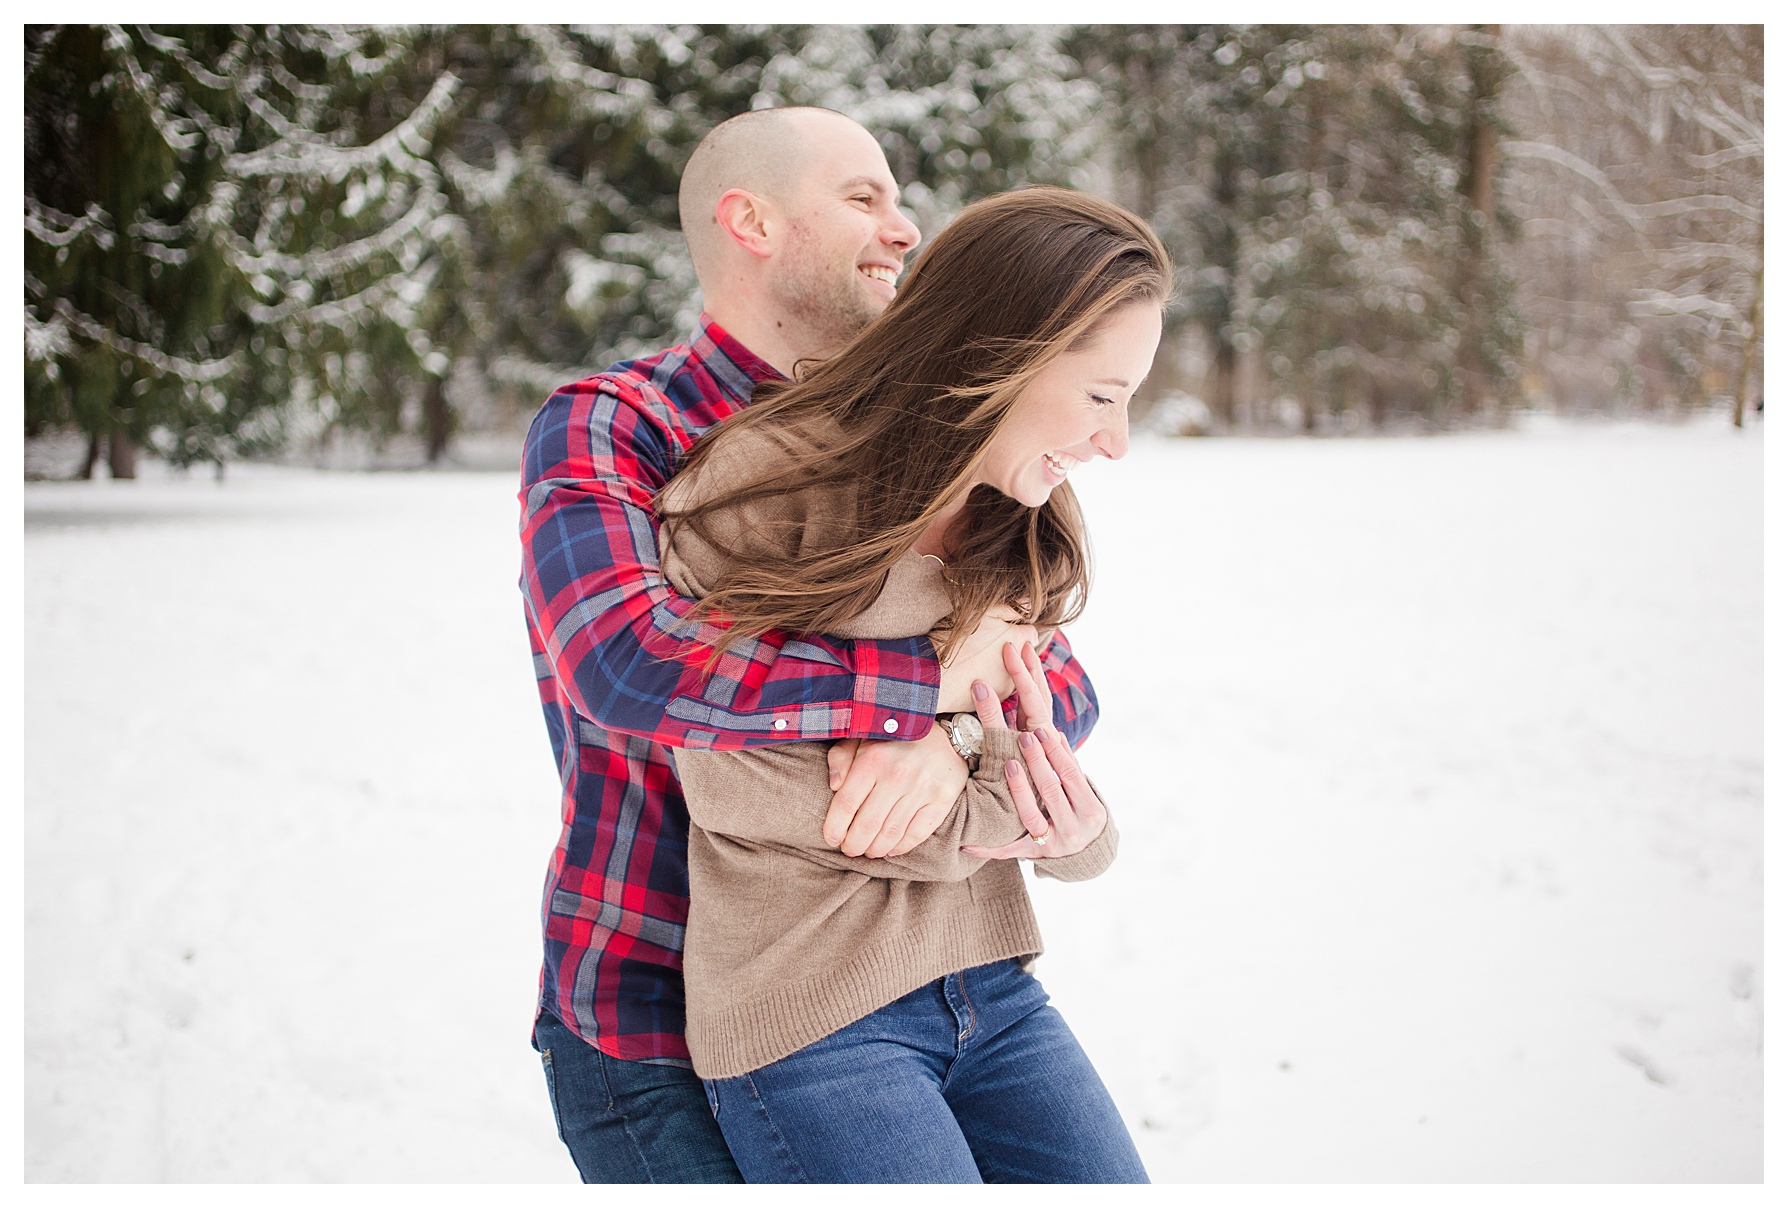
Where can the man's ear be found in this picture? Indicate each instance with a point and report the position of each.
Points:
(745, 219)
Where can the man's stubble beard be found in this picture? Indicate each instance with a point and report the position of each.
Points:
(833, 305)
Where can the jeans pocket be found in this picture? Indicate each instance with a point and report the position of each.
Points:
(713, 1097)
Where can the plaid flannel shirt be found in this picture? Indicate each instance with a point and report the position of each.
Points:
(621, 680)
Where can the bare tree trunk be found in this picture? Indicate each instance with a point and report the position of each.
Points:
(122, 454)
(94, 451)
(437, 420)
(1227, 256)
(1480, 196)
(1741, 393)
(1222, 381)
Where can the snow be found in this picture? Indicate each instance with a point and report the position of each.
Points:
(1438, 764)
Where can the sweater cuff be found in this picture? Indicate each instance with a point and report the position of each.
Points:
(1089, 861)
(997, 746)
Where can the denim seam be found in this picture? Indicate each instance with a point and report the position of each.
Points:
(962, 980)
(782, 1149)
(639, 1150)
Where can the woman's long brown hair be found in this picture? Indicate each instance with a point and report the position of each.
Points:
(899, 421)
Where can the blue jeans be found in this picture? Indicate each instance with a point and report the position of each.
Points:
(629, 1121)
(973, 1078)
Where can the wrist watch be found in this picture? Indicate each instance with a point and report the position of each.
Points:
(964, 731)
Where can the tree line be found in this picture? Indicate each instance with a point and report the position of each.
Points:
(244, 239)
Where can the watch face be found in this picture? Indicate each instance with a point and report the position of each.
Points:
(969, 726)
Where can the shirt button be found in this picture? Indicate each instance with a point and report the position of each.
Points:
(889, 726)
(781, 723)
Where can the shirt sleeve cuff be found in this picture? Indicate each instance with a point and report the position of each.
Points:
(896, 690)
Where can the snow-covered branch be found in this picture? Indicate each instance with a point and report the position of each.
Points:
(1659, 303)
(309, 157)
(176, 50)
(46, 341)
(169, 128)
(198, 372)
(1706, 201)
(541, 378)
(57, 229)
(387, 240)
(1523, 149)
(598, 93)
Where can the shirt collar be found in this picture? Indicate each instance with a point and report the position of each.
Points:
(712, 342)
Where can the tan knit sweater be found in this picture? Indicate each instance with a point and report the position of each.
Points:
(788, 939)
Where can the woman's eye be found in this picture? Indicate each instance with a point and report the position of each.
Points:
(1100, 398)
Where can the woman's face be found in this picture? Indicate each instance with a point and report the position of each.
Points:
(1075, 410)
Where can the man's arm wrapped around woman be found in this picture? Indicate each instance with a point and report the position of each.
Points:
(778, 796)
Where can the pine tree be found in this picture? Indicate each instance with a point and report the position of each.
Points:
(221, 221)
(128, 316)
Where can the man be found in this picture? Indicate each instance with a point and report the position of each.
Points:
(793, 225)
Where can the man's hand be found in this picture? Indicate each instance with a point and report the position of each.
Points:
(890, 796)
(981, 657)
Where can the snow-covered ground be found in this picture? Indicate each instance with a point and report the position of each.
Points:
(1438, 764)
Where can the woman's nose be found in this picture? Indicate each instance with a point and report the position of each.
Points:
(1113, 440)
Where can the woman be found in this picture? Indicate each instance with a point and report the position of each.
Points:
(874, 1020)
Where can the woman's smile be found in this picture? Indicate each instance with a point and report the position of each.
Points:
(1076, 409)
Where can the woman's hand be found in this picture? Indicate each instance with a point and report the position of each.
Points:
(1071, 815)
(1036, 708)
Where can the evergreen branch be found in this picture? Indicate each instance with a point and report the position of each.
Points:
(363, 66)
(178, 140)
(248, 260)
(176, 50)
(44, 342)
(478, 185)
(345, 313)
(52, 226)
(318, 93)
(306, 158)
(198, 372)
(601, 93)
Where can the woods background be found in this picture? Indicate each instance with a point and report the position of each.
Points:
(317, 242)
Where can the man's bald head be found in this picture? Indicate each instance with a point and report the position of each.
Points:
(793, 222)
(764, 151)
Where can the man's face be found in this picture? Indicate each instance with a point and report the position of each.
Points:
(845, 238)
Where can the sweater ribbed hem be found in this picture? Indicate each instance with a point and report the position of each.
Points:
(730, 1038)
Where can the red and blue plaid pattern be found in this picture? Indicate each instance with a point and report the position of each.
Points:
(621, 681)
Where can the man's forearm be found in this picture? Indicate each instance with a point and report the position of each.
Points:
(618, 639)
